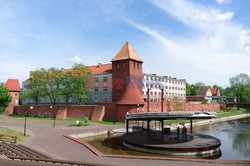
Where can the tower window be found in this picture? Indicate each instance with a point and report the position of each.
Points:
(123, 64)
(118, 65)
(134, 65)
(138, 66)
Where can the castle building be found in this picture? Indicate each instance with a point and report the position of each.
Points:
(123, 82)
(14, 89)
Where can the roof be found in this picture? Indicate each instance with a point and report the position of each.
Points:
(127, 52)
(131, 97)
(171, 115)
(214, 91)
(13, 85)
(98, 69)
(202, 91)
(101, 69)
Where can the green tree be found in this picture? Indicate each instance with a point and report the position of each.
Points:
(5, 98)
(53, 77)
(35, 87)
(67, 90)
(240, 88)
(79, 74)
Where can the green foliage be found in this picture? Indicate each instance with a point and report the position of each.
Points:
(240, 88)
(36, 88)
(191, 90)
(55, 84)
(5, 98)
(204, 102)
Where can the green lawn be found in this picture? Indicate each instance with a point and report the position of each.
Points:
(232, 112)
(20, 139)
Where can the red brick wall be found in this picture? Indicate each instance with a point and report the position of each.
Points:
(110, 111)
(80, 111)
(61, 112)
(170, 106)
(14, 102)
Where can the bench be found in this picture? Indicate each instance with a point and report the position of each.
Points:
(8, 138)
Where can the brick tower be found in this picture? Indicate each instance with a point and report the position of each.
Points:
(14, 89)
(127, 76)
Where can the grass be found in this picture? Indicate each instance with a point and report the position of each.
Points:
(29, 117)
(232, 112)
(110, 122)
(20, 139)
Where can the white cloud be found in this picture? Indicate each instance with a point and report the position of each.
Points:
(223, 1)
(195, 15)
(75, 59)
(218, 48)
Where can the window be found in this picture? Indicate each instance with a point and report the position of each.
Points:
(119, 96)
(134, 65)
(155, 93)
(151, 93)
(172, 88)
(105, 89)
(169, 87)
(118, 65)
(105, 99)
(138, 66)
(123, 64)
(166, 87)
(96, 79)
(96, 89)
(159, 93)
(175, 88)
(96, 98)
(105, 79)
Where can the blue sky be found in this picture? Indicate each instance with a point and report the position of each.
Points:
(199, 40)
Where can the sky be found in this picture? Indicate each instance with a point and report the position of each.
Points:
(197, 40)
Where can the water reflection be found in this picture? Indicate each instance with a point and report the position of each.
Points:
(234, 135)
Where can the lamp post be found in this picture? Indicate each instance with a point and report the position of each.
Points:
(54, 115)
(25, 121)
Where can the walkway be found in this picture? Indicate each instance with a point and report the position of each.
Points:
(50, 141)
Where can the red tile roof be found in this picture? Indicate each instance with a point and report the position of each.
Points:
(98, 69)
(13, 85)
(131, 97)
(127, 52)
(101, 69)
(202, 91)
(215, 91)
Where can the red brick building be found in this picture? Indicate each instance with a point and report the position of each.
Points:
(14, 89)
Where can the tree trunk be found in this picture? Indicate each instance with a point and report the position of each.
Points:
(238, 103)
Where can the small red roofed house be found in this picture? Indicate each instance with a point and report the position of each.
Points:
(14, 89)
(215, 91)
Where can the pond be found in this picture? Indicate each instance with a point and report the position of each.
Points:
(234, 136)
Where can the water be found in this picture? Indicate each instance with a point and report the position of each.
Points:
(234, 136)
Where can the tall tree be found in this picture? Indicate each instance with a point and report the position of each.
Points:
(67, 90)
(240, 87)
(79, 74)
(5, 98)
(35, 88)
(53, 77)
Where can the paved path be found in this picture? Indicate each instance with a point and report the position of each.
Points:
(50, 141)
